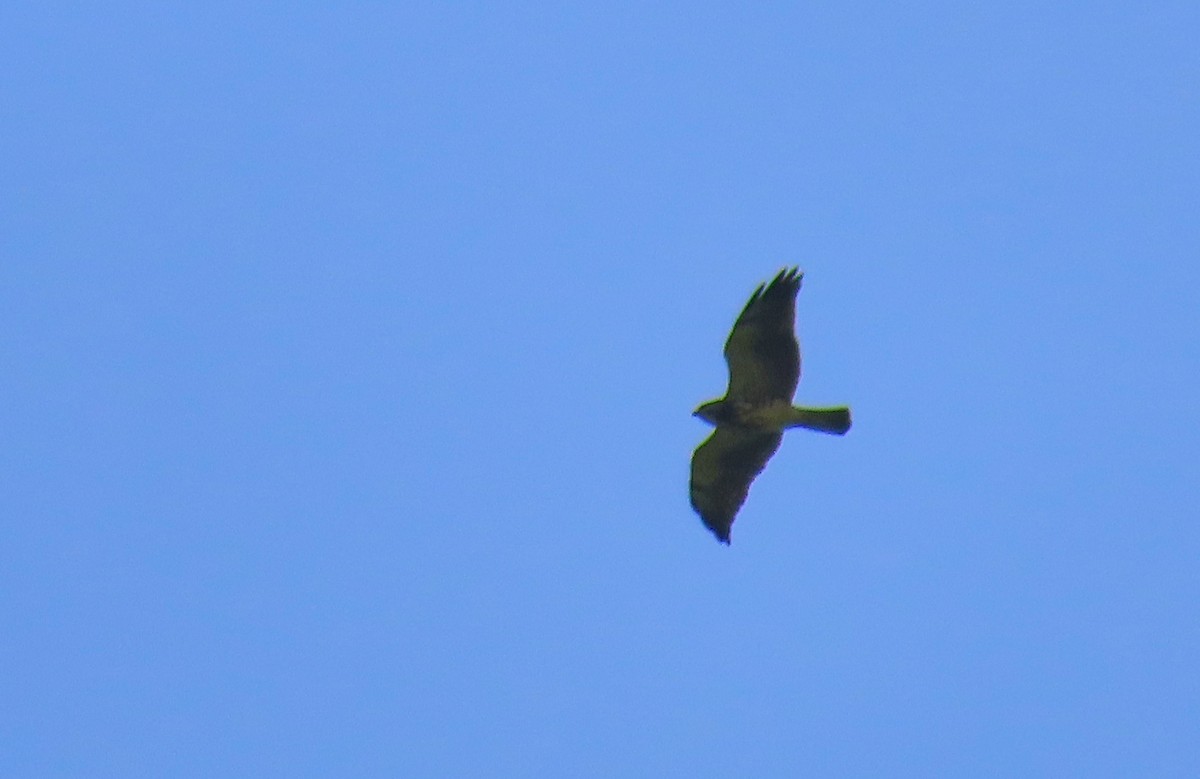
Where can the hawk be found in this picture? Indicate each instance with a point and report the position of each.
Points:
(764, 369)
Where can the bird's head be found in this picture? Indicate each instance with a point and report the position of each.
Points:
(712, 412)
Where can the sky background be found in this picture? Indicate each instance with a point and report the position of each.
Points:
(348, 354)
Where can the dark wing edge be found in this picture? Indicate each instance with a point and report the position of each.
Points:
(722, 469)
(762, 352)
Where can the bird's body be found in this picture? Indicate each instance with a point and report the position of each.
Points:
(764, 370)
(774, 415)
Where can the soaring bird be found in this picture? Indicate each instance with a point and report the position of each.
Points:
(764, 369)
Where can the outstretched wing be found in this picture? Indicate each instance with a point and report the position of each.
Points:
(762, 352)
(722, 469)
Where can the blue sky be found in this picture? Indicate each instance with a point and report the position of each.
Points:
(349, 352)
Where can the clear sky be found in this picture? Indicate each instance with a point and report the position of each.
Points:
(349, 352)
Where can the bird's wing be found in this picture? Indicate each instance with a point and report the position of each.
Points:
(722, 469)
(762, 352)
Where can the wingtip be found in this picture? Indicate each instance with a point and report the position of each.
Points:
(791, 276)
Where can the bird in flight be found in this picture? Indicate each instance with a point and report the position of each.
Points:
(764, 369)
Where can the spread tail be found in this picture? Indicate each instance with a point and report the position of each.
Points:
(826, 420)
